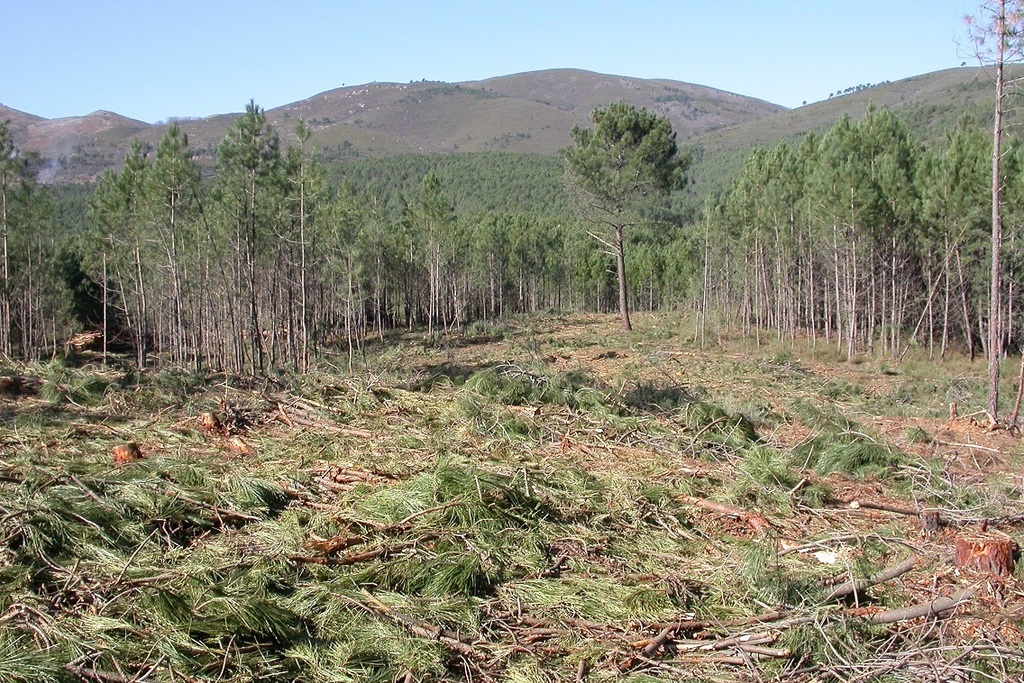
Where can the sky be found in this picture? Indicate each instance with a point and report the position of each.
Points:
(152, 60)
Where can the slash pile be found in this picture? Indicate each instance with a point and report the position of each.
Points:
(545, 506)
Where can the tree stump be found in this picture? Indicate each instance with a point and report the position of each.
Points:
(931, 522)
(210, 422)
(235, 444)
(993, 555)
(126, 453)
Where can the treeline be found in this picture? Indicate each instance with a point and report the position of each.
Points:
(862, 237)
(858, 236)
(271, 263)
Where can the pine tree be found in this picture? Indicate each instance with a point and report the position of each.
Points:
(249, 189)
(627, 159)
(1000, 22)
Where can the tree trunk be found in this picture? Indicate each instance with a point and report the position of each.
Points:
(5, 302)
(997, 228)
(620, 263)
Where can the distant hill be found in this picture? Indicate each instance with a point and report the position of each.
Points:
(523, 113)
(930, 104)
(530, 112)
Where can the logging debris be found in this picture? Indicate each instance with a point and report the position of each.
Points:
(554, 520)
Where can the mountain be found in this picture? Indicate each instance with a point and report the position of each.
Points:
(528, 112)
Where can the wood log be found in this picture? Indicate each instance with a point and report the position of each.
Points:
(992, 555)
(884, 507)
(86, 341)
(856, 586)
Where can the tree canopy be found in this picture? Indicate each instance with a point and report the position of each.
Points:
(628, 158)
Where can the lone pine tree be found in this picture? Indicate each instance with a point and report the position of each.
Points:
(616, 169)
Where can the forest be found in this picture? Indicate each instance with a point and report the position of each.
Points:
(269, 261)
(860, 236)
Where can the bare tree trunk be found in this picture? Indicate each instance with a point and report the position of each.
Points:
(968, 325)
(620, 263)
(997, 227)
(303, 285)
(5, 303)
(706, 282)
(839, 305)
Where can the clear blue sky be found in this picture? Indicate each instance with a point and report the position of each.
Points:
(153, 59)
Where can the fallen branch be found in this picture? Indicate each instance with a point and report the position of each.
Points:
(738, 641)
(292, 420)
(986, 522)
(823, 543)
(925, 609)
(694, 625)
(747, 642)
(972, 446)
(581, 624)
(221, 513)
(773, 652)
(338, 542)
(885, 507)
(334, 544)
(857, 585)
(658, 641)
(712, 659)
(366, 555)
(96, 675)
(555, 569)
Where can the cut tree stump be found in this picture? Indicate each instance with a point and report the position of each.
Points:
(126, 453)
(993, 555)
(931, 522)
(237, 445)
(209, 421)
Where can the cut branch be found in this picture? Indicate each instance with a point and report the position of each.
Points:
(926, 609)
(856, 586)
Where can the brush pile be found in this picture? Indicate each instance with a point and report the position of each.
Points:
(521, 520)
